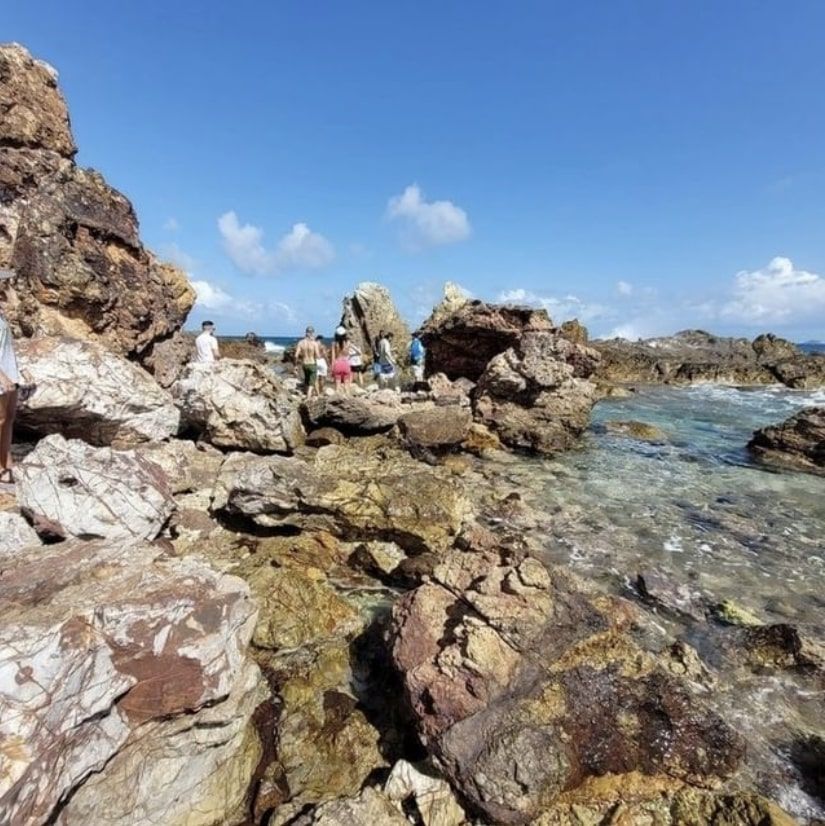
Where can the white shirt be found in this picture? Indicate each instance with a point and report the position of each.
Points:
(8, 361)
(206, 348)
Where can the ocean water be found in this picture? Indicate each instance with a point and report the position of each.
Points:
(696, 509)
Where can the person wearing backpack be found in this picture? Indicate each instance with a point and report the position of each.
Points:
(417, 357)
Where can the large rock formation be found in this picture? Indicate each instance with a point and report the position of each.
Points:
(238, 404)
(798, 442)
(355, 415)
(351, 493)
(67, 488)
(71, 239)
(85, 391)
(697, 356)
(126, 688)
(462, 337)
(526, 686)
(536, 396)
(367, 312)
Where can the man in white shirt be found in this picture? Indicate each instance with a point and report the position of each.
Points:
(206, 345)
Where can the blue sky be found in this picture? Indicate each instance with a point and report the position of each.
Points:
(646, 166)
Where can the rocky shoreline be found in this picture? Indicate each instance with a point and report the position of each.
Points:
(225, 605)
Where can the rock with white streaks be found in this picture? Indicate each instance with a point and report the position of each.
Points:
(68, 488)
(238, 404)
(126, 693)
(85, 391)
(15, 533)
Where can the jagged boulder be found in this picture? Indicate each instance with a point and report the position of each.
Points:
(85, 391)
(535, 396)
(72, 240)
(15, 533)
(435, 428)
(167, 359)
(355, 415)
(525, 686)
(351, 493)
(67, 488)
(368, 311)
(127, 688)
(798, 442)
(238, 404)
(461, 342)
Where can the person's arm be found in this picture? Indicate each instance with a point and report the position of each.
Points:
(216, 349)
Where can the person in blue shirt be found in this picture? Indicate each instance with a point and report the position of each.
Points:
(417, 357)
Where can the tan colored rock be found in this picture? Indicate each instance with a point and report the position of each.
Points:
(642, 431)
(431, 795)
(437, 428)
(87, 392)
(68, 488)
(81, 270)
(126, 687)
(369, 311)
(355, 415)
(354, 494)
(238, 404)
(189, 467)
(370, 808)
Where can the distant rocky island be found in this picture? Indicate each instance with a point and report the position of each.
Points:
(223, 604)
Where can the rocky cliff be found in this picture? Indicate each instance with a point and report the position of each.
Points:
(72, 240)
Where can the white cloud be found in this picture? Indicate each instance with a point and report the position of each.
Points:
(776, 294)
(624, 288)
(171, 225)
(427, 223)
(300, 248)
(211, 297)
(559, 309)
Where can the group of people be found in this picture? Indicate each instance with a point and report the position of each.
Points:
(344, 361)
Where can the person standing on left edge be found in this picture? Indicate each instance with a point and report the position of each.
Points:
(9, 382)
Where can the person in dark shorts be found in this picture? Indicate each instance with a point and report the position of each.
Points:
(307, 354)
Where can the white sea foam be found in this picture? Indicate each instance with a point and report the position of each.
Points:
(271, 347)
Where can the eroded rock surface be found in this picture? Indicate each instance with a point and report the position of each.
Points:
(85, 391)
(355, 415)
(524, 686)
(68, 488)
(238, 404)
(354, 494)
(126, 688)
(71, 239)
(436, 428)
(535, 395)
(367, 312)
(798, 442)
(15, 533)
(461, 339)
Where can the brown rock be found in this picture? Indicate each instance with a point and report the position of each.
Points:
(367, 312)
(167, 358)
(325, 436)
(798, 442)
(355, 415)
(437, 428)
(71, 239)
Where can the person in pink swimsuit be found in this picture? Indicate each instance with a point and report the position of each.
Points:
(341, 368)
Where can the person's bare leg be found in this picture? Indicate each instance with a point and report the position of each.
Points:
(8, 407)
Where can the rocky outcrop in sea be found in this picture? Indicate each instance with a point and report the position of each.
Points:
(223, 605)
(798, 442)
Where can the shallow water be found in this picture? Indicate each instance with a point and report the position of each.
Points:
(695, 507)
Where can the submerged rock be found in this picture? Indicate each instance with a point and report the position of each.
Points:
(636, 430)
(526, 688)
(84, 391)
(238, 404)
(127, 688)
(353, 494)
(81, 270)
(798, 442)
(67, 488)
(535, 396)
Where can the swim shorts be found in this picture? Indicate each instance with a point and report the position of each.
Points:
(310, 371)
(341, 371)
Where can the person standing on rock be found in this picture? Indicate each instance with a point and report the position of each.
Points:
(417, 357)
(341, 370)
(321, 365)
(376, 355)
(206, 345)
(307, 354)
(386, 359)
(9, 383)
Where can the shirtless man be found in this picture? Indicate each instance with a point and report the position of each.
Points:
(307, 354)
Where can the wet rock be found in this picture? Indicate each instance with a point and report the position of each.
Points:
(781, 646)
(367, 312)
(481, 440)
(461, 342)
(525, 687)
(355, 416)
(803, 372)
(81, 270)
(238, 404)
(534, 396)
(84, 391)
(353, 494)
(15, 533)
(128, 687)
(730, 612)
(378, 559)
(657, 588)
(438, 428)
(798, 442)
(67, 488)
(636, 430)
(430, 795)
(324, 436)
